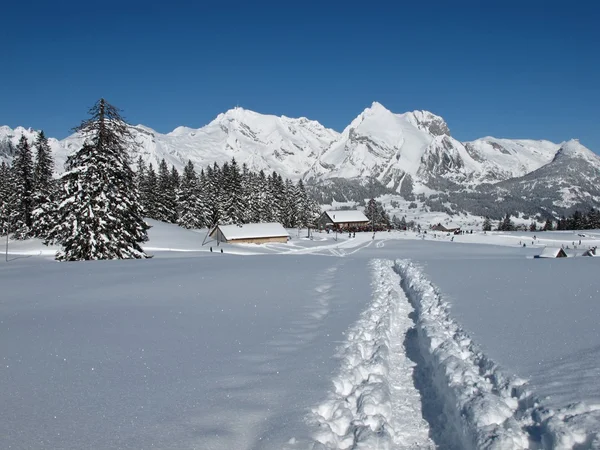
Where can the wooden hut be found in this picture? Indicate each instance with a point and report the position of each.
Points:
(250, 233)
(343, 219)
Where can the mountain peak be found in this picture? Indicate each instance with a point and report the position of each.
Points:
(427, 121)
(574, 149)
(377, 108)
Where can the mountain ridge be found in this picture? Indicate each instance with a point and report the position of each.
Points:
(410, 153)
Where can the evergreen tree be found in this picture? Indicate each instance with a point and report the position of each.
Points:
(149, 193)
(233, 198)
(44, 214)
(506, 224)
(402, 223)
(99, 211)
(533, 226)
(166, 206)
(21, 201)
(140, 173)
(548, 226)
(487, 224)
(593, 219)
(212, 194)
(187, 199)
(576, 221)
(202, 207)
(562, 223)
(5, 196)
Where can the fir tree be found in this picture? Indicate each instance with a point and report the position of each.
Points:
(44, 214)
(233, 208)
(187, 199)
(149, 193)
(487, 224)
(402, 223)
(533, 226)
(506, 224)
(5, 196)
(99, 211)
(166, 207)
(548, 226)
(21, 201)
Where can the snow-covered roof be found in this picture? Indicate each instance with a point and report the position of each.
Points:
(253, 230)
(346, 216)
(551, 252)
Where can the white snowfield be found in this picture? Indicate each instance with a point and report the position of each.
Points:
(403, 341)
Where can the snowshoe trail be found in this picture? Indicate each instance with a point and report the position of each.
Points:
(374, 403)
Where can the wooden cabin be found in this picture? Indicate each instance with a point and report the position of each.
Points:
(343, 219)
(250, 233)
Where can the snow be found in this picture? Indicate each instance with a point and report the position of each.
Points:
(346, 216)
(398, 341)
(253, 230)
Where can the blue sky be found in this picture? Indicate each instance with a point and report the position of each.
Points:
(520, 69)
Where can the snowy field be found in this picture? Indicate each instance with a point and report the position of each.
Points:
(398, 342)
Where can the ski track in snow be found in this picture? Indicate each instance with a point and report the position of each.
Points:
(473, 404)
(374, 403)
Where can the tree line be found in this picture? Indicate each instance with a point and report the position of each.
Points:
(576, 221)
(95, 209)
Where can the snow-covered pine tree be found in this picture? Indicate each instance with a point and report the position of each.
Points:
(5, 194)
(21, 219)
(140, 173)
(166, 208)
(506, 224)
(487, 224)
(187, 199)
(371, 211)
(44, 196)
(149, 193)
(289, 212)
(261, 212)
(175, 181)
(593, 219)
(302, 204)
(202, 206)
(233, 196)
(99, 209)
(276, 197)
(549, 225)
(249, 195)
(402, 224)
(212, 195)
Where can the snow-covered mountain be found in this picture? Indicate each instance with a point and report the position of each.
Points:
(553, 184)
(264, 142)
(390, 146)
(408, 153)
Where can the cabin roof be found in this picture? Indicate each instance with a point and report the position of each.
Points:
(252, 230)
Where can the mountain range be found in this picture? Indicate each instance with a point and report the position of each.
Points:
(413, 154)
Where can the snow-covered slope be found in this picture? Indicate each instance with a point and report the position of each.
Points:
(570, 179)
(389, 146)
(502, 159)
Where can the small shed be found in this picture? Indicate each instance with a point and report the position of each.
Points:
(250, 233)
(448, 229)
(590, 252)
(343, 219)
(552, 252)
